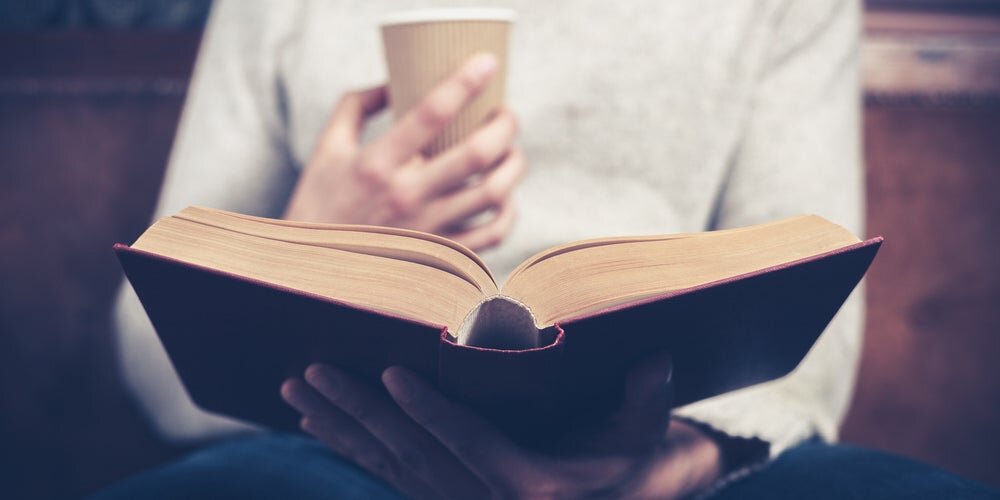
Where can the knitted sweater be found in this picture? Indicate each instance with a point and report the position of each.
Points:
(638, 117)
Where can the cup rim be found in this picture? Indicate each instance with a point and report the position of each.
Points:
(414, 16)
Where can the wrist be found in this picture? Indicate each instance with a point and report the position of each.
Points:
(702, 455)
(734, 452)
(685, 462)
(303, 203)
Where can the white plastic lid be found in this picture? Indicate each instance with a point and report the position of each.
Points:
(414, 16)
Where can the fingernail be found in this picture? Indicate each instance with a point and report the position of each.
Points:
(660, 367)
(483, 66)
(320, 375)
(667, 367)
(287, 389)
(399, 384)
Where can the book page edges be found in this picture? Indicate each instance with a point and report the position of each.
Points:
(874, 242)
(120, 248)
(556, 328)
(409, 233)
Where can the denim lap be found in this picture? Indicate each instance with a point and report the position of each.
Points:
(291, 466)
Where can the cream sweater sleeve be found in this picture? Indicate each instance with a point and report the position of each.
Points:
(800, 153)
(230, 153)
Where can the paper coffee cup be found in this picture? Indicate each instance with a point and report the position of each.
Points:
(424, 46)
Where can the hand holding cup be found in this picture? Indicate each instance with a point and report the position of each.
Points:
(391, 182)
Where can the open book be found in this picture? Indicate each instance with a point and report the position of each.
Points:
(241, 302)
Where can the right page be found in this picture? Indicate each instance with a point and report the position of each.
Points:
(589, 276)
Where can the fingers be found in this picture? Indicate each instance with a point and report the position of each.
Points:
(370, 458)
(412, 446)
(343, 131)
(490, 234)
(493, 191)
(347, 438)
(330, 425)
(648, 399)
(374, 413)
(480, 447)
(648, 383)
(481, 151)
(303, 399)
(641, 423)
(419, 126)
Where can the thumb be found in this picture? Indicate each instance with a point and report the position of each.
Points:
(650, 382)
(642, 420)
(348, 117)
(645, 414)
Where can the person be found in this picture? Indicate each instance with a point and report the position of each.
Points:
(641, 117)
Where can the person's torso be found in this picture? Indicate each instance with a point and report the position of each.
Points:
(629, 113)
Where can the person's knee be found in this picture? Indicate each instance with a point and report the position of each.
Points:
(820, 471)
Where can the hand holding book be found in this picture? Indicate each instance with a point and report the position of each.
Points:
(428, 446)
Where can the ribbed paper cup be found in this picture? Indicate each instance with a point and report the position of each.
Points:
(424, 46)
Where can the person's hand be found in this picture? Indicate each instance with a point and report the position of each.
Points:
(390, 183)
(428, 446)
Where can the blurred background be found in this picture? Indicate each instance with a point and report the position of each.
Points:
(90, 94)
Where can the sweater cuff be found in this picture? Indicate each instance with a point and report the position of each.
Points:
(760, 413)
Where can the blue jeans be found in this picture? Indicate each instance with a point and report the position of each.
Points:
(286, 466)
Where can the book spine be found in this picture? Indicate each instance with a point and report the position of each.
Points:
(518, 390)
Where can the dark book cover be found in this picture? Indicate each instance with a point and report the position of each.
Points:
(233, 340)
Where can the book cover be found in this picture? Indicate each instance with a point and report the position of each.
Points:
(233, 340)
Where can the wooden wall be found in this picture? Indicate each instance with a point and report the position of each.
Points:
(927, 387)
(86, 124)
